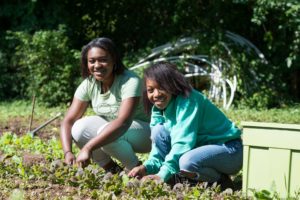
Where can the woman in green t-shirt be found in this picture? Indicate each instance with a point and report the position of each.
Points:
(119, 128)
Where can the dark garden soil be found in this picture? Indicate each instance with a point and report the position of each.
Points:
(38, 188)
(20, 126)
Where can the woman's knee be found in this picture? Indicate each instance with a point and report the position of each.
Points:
(77, 129)
(186, 163)
(86, 128)
(114, 146)
(138, 135)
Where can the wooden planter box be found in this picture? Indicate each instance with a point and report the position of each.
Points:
(271, 158)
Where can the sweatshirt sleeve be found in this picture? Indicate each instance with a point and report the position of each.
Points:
(154, 161)
(183, 134)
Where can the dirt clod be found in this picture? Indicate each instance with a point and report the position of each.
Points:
(32, 159)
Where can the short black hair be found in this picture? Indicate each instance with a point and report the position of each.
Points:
(107, 45)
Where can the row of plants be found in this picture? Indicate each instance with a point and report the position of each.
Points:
(33, 168)
(29, 164)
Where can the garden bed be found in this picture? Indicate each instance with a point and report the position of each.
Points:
(33, 167)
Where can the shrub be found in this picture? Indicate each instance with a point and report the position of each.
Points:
(46, 65)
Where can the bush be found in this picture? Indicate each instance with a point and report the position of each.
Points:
(47, 66)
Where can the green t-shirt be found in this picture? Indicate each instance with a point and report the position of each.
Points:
(107, 105)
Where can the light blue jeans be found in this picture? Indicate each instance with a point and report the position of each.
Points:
(135, 140)
(208, 161)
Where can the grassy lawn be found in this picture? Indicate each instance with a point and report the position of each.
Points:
(289, 115)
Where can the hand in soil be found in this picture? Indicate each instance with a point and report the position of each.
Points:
(70, 159)
(152, 177)
(83, 158)
(138, 172)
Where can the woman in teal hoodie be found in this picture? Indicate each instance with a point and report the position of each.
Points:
(191, 138)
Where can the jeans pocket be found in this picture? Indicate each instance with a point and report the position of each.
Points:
(233, 146)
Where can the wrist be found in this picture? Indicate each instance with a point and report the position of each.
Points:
(143, 169)
(87, 148)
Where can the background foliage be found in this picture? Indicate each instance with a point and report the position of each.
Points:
(47, 66)
(38, 55)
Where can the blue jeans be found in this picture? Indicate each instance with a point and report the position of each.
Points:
(208, 161)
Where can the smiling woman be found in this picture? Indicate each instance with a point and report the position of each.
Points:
(157, 96)
(190, 136)
(119, 129)
(100, 65)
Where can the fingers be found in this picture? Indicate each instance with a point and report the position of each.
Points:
(132, 173)
(83, 164)
(135, 172)
(70, 159)
(152, 177)
(72, 162)
(80, 162)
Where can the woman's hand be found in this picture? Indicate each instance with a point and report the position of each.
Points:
(69, 158)
(152, 177)
(138, 172)
(83, 157)
(75, 111)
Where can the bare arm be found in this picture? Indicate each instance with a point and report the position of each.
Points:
(75, 111)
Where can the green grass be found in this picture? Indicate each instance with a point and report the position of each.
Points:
(288, 115)
(24, 109)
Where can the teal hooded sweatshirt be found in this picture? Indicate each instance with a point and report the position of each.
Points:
(192, 121)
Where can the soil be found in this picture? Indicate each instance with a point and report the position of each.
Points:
(39, 188)
(32, 159)
(20, 126)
